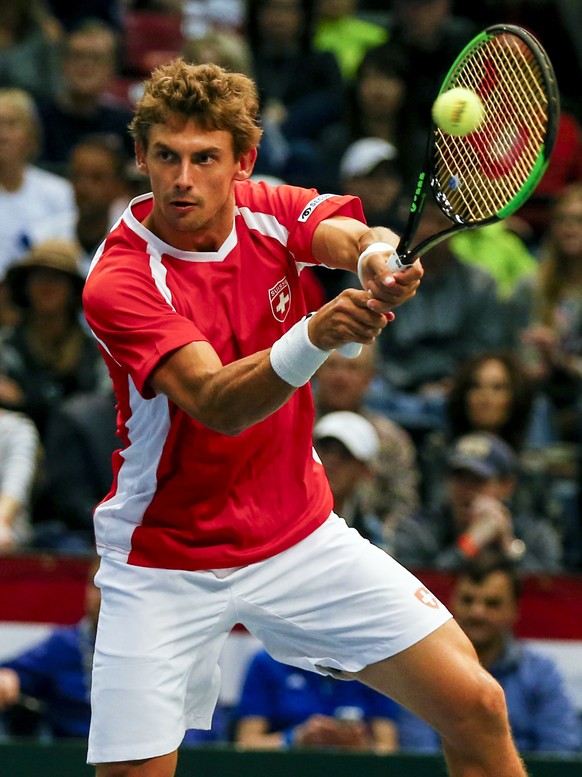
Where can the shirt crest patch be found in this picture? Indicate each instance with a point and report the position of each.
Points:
(280, 299)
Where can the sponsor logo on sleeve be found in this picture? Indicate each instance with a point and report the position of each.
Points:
(312, 205)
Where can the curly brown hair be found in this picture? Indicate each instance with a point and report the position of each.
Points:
(214, 97)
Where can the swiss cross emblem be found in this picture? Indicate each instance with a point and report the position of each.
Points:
(280, 299)
(425, 596)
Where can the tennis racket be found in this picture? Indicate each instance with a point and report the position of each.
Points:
(485, 176)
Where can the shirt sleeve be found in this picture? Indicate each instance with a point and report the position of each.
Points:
(134, 323)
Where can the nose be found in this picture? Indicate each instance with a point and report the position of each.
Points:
(184, 175)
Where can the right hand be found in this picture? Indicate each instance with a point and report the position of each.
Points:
(346, 319)
(490, 523)
(9, 687)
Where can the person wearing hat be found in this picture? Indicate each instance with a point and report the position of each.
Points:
(348, 444)
(476, 517)
(48, 354)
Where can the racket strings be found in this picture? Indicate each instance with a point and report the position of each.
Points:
(480, 173)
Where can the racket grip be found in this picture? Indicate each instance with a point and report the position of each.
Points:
(350, 350)
(397, 262)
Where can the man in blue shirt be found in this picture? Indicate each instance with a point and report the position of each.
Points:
(282, 706)
(543, 719)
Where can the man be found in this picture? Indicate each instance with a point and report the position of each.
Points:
(543, 719)
(475, 518)
(348, 445)
(219, 512)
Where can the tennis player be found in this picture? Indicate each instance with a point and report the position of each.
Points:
(219, 511)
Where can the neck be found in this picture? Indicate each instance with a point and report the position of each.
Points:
(488, 654)
(12, 177)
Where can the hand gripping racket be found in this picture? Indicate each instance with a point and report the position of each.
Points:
(485, 176)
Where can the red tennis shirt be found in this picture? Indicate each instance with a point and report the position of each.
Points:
(184, 496)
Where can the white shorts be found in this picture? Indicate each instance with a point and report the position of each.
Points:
(333, 600)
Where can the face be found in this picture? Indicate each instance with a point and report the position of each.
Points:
(378, 192)
(49, 291)
(380, 94)
(16, 136)
(343, 471)
(342, 383)
(89, 63)
(280, 20)
(567, 227)
(95, 180)
(490, 396)
(485, 611)
(192, 173)
(463, 487)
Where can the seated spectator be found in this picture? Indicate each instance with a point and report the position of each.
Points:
(19, 460)
(57, 672)
(49, 354)
(283, 706)
(546, 315)
(79, 442)
(347, 445)
(485, 602)
(476, 518)
(340, 29)
(98, 171)
(81, 107)
(392, 492)
(441, 327)
(301, 90)
(221, 47)
(34, 204)
(29, 47)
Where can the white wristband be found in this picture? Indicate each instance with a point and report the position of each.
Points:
(294, 357)
(374, 248)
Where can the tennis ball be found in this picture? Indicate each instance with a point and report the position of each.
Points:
(458, 111)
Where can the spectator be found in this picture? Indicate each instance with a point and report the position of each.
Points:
(490, 392)
(29, 48)
(543, 719)
(221, 47)
(546, 315)
(301, 90)
(34, 204)
(98, 171)
(81, 107)
(339, 28)
(80, 440)
(456, 313)
(19, 459)
(282, 706)
(476, 518)
(57, 672)
(347, 445)
(373, 109)
(392, 493)
(49, 355)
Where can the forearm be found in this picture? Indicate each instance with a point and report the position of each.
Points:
(338, 242)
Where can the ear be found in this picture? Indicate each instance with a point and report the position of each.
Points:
(246, 163)
(140, 159)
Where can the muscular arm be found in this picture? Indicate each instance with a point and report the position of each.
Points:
(230, 398)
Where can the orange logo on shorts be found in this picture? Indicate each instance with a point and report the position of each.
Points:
(425, 596)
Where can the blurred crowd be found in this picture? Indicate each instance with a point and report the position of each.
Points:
(454, 441)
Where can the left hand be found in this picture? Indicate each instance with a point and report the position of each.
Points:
(388, 290)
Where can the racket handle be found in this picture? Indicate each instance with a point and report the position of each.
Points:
(397, 262)
(350, 350)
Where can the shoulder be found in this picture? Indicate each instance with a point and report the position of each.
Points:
(52, 182)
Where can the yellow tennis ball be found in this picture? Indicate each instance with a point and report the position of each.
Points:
(458, 111)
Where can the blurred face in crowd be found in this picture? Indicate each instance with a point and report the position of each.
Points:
(336, 9)
(378, 190)
(343, 470)
(95, 179)
(464, 487)
(490, 395)
(89, 62)
(280, 21)
(49, 291)
(567, 225)
(380, 93)
(342, 383)
(17, 137)
(422, 20)
(486, 610)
